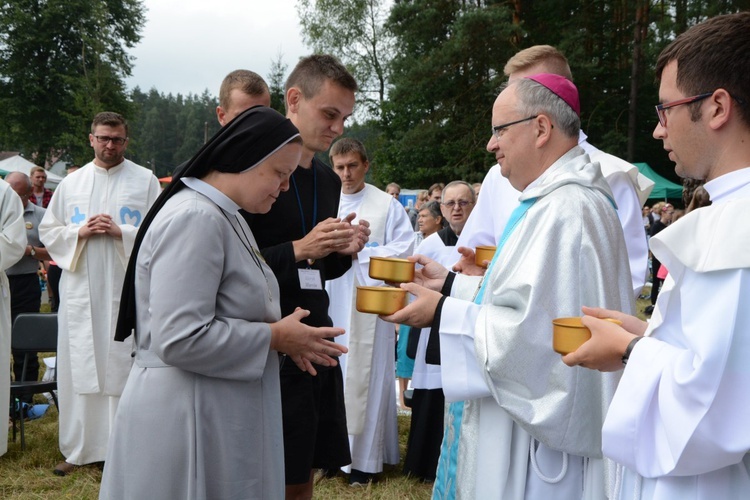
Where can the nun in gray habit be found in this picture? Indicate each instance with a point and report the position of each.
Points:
(200, 416)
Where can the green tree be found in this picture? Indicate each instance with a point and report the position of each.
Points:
(276, 81)
(167, 130)
(354, 31)
(444, 80)
(62, 61)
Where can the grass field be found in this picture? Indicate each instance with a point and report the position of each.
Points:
(28, 474)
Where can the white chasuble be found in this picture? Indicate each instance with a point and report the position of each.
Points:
(389, 237)
(12, 247)
(90, 362)
(678, 420)
(531, 426)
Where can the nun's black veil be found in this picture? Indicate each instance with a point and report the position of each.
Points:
(242, 144)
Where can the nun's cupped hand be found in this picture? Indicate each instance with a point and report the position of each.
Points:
(305, 344)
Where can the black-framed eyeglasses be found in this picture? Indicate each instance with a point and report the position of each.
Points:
(104, 139)
(498, 130)
(452, 204)
(661, 108)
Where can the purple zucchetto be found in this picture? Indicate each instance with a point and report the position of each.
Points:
(561, 87)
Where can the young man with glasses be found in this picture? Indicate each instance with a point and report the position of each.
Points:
(678, 420)
(89, 229)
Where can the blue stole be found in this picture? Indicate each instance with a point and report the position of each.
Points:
(445, 482)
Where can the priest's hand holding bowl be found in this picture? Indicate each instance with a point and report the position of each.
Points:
(609, 341)
(467, 263)
(305, 344)
(420, 312)
(431, 274)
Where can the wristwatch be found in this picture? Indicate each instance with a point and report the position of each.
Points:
(32, 252)
(629, 349)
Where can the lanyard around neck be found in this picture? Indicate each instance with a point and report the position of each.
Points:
(315, 202)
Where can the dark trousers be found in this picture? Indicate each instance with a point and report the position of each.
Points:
(655, 282)
(25, 296)
(53, 280)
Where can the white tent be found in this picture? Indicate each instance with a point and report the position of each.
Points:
(20, 164)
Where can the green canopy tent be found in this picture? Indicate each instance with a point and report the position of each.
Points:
(663, 188)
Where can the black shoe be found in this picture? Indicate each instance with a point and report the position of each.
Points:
(359, 478)
(648, 310)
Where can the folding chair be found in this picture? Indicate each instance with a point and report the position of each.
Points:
(31, 333)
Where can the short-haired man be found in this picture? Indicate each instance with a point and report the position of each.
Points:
(630, 188)
(89, 229)
(12, 247)
(678, 420)
(240, 90)
(23, 277)
(428, 400)
(368, 367)
(306, 244)
(40, 195)
(529, 428)
(435, 191)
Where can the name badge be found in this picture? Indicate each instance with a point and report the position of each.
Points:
(309, 279)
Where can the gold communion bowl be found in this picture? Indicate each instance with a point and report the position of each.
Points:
(380, 299)
(568, 334)
(391, 269)
(482, 253)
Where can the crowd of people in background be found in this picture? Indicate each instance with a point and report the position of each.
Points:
(227, 298)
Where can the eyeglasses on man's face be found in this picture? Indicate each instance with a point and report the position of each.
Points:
(452, 204)
(104, 139)
(498, 130)
(662, 108)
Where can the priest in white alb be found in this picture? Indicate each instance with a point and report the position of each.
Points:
(12, 248)
(678, 423)
(369, 384)
(529, 429)
(89, 229)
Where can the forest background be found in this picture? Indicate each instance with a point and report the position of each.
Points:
(429, 71)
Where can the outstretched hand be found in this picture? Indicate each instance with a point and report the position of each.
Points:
(305, 344)
(328, 236)
(361, 235)
(431, 275)
(467, 263)
(420, 312)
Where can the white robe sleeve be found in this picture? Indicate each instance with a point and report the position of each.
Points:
(629, 213)
(399, 242)
(60, 238)
(13, 235)
(682, 407)
(461, 377)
